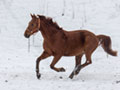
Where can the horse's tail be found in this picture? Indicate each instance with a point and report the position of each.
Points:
(105, 41)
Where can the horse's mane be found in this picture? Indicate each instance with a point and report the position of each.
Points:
(50, 21)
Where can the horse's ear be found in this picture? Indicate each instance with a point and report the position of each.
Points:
(31, 15)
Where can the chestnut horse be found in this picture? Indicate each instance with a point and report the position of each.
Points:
(58, 43)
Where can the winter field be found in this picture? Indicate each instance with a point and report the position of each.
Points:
(17, 65)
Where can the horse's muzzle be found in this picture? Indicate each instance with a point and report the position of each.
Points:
(26, 35)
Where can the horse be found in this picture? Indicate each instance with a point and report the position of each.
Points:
(59, 42)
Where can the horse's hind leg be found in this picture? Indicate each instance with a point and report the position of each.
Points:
(78, 60)
(88, 61)
(79, 67)
(78, 63)
(89, 49)
(43, 56)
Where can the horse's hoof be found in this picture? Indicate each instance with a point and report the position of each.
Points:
(38, 76)
(71, 76)
(62, 70)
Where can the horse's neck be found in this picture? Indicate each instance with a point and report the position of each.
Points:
(47, 31)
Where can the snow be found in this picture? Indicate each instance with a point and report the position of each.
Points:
(17, 65)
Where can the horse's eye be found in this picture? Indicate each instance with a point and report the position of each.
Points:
(32, 24)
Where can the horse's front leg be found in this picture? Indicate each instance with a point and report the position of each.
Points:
(43, 56)
(55, 60)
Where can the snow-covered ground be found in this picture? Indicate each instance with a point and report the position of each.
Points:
(17, 65)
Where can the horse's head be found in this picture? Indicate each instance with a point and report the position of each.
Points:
(33, 26)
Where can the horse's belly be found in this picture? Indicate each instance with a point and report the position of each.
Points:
(74, 52)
